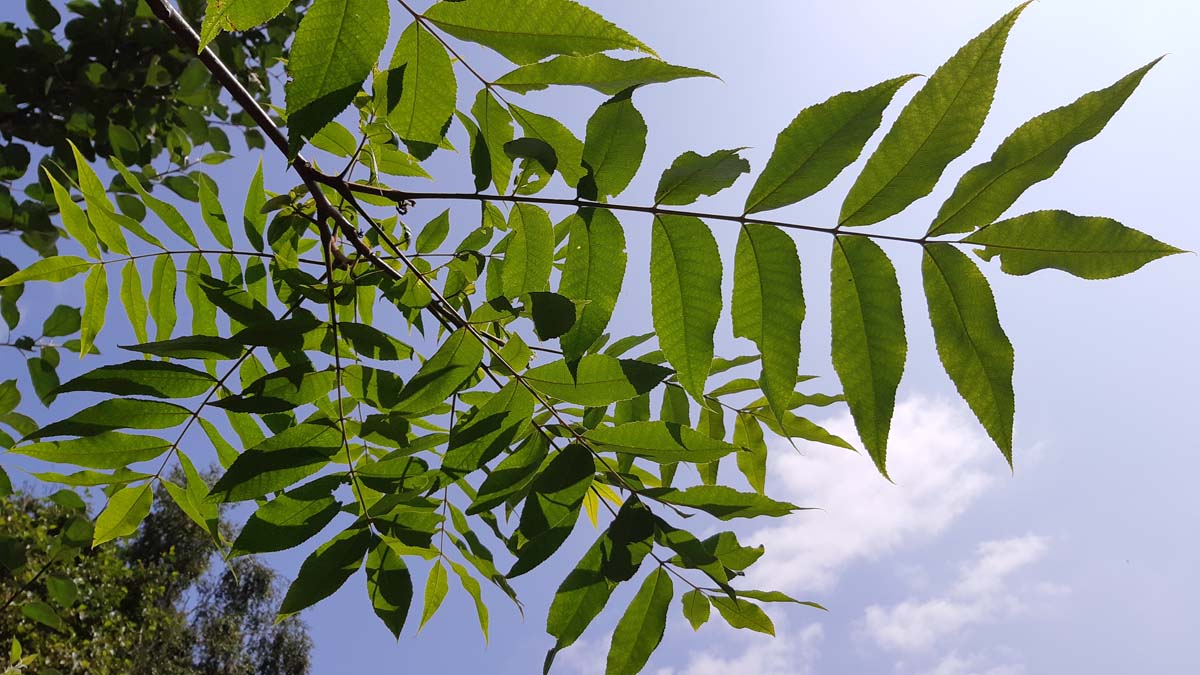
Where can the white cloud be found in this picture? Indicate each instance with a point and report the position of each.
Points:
(786, 654)
(953, 664)
(983, 592)
(939, 459)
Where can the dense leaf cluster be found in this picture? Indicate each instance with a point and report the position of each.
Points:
(152, 605)
(512, 408)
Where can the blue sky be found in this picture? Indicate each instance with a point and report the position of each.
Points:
(1083, 559)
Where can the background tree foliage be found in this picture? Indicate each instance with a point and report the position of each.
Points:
(153, 604)
(469, 449)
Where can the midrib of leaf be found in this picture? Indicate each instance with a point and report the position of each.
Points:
(933, 130)
(677, 288)
(871, 352)
(634, 46)
(1088, 251)
(337, 40)
(958, 309)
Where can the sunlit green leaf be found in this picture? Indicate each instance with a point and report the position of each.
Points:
(290, 519)
(496, 425)
(163, 283)
(230, 15)
(742, 614)
(529, 257)
(442, 375)
(660, 442)
(1085, 246)
(116, 413)
(55, 268)
(692, 175)
(1031, 154)
(169, 215)
(723, 502)
(62, 321)
(436, 587)
(95, 305)
(685, 296)
(596, 71)
(134, 300)
(696, 608)
(109, 450)
(143, 378)
(495, 129)
(940, 123)
(819, 143)
(597, 379)
(552, 507)
(613, 147)
(74, 219)
(420, 87)
(525, 31)
(278, 462)
(126, 509)
(389, 586)
(641, 627)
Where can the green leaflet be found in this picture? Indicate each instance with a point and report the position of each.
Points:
(1030, 155)
(525, 31)
(436, 587)
(126, 509)
(133, 300)
(696, 608)
(92, 478)
(970, 341)
(95, 304)
(281, 391)
(163, 283)
(191, 499)
(54, 268)
(204, 311)
(613, 147)
(434, 233)
(277, 463)
(819, 143)
(597, 379)
(62, 321)
(723, 502)
(254, 221)
(495, 129)
(495, 426)
(100, 209)
(596, 71)
(167, 213)
(442, 375)
(790, 425)
(553, 315)
(868, 338)
(552, 507)
(471, 586)
(691, 176)
(192, 347)
(1084, 246)
(752, 461)
(74, 219)
(230, 15)
(593, 273)
(389, 586)
(768, 306)
(213, 214)
(685, 296)
(742, 614)
(290, 519)
(567, 147)
(419, 85)
(323, 572)
(640, 629)
(614, 557)
(44, 614)
(109, 450)
(335, 48)
(335, 139)
(940, 122)
(116, 413)
(661, 442)
(529, 257)
(510, 476)
(143, 378)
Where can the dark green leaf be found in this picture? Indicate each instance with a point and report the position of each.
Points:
(254, 221)
(44, 614)
(290, 519)
(511, 476)
(281, 391)
(436, 588)
(1085, 246)
(116, 413)
(685, 296)
(940, 123)
(975, 351)
(869, 347)
(62, 321)
(495, 129)
(204, 347)
(389, 586)
(552, 507)
(723, 502)
(597, 379)
(1030, 155)
(495, 426)
(323, 572)
(442, 375)
(278, 463)
(568, 150)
